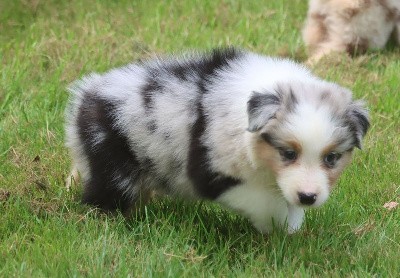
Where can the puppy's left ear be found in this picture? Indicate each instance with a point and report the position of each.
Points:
(358, 121)
(261, 108)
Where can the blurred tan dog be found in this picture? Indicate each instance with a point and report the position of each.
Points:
(351, 26)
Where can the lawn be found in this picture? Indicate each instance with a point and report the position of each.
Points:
(46, 232)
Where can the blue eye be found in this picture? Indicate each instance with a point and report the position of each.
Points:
(331, 158)
(288, 155)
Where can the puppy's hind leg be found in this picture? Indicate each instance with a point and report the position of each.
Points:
(113, 175)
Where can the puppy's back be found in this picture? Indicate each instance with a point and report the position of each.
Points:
(138, 126)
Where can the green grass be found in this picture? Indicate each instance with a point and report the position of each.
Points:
(45, 231)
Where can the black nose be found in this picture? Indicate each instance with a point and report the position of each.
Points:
(307, 198)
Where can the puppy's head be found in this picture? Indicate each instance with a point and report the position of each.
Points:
(305, 133)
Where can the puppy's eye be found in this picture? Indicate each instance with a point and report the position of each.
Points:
(331, 158)
(288, 155)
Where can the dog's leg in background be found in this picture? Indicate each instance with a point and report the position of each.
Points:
(314, 33)
(318, 40)
(397, 31)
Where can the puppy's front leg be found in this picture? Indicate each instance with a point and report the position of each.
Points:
(295, 218)
(265, 209)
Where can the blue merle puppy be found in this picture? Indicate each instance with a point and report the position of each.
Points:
(259, 135)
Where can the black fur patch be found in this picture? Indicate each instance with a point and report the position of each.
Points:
(206, 66)
(218, 59)
(357, 122)
(259, 101)
(181, 70)
(269, 139)
(363, 122)
(151, 126)
(148, 90)
(111, 161)
(209, 184)
(261, 108)
(291, 101)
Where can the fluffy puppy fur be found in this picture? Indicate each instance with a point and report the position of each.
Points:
(259, 135)
(350, 25)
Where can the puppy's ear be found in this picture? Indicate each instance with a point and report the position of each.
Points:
(260, 109)
(358, 121)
